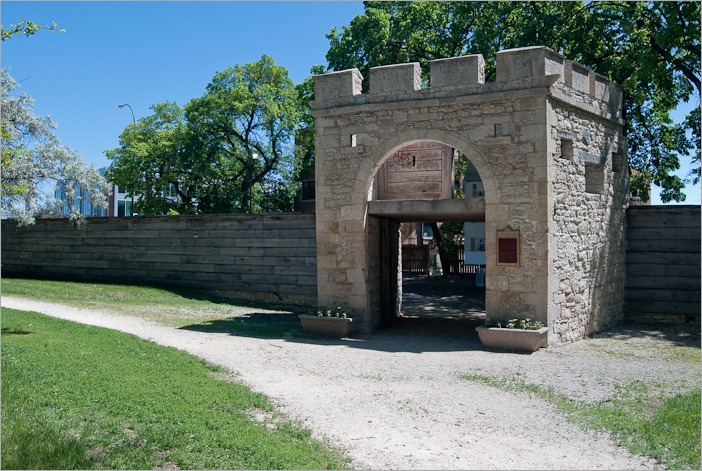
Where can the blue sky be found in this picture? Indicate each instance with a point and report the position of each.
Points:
(142, 53)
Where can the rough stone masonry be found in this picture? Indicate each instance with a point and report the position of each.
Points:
(547, 140)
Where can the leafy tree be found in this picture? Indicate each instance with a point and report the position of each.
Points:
(34, 161)
(652, 49)
(248, 117)
(160, 161)
(230, 150)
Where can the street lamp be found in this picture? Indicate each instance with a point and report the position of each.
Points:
(130, 109)
(253, 157)
(120, 106)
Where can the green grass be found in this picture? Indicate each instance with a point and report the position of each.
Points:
(81, 397)
(170, 307)
(666, 429)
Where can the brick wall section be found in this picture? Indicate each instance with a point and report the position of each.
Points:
(261, 258)
(663, 263)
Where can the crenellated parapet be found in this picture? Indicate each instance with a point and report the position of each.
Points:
(516, 69)
(546, 137)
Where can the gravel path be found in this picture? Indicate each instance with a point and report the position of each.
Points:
(396, 400)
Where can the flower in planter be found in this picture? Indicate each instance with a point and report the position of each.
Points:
(331, 312)
(523, 324)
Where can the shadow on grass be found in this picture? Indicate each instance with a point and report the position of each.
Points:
(413, 335)
(259, 325)
(9, 331)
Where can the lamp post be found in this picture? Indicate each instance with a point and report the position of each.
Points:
(130, 109)
(120, 106)
(253, 157)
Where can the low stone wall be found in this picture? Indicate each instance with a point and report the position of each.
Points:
(273, 259)
(268, 258)
(663, 263)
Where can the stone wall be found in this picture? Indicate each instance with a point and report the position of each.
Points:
(272, 259)
(262, 258)
(588, 191)
(509, 129)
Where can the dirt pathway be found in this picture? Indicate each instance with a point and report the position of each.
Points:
(396, 399)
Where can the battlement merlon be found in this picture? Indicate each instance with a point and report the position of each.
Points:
(454, 71)
(515, 68)
(539, 61)
(395, 78)
(337, 87)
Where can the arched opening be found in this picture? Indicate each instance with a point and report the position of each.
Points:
(430, 201)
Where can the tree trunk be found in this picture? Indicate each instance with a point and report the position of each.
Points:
(443, 256)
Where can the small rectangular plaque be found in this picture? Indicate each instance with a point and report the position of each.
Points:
(508, 248)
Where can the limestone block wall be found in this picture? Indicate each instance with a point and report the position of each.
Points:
(512, 130)
(264, 258)
(588, 188)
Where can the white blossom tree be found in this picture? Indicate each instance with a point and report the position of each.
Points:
(35, 162)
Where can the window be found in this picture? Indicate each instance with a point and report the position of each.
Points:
(124, 208)
(617, 163)
(477, 244)
(567, 149)
(427, 233)
(594, 178)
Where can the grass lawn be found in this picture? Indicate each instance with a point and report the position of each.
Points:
(82, 397)
(667, 430)
(109, 400)
(170, 307)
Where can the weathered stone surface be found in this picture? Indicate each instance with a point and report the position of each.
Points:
(542, 138)
(268, 258)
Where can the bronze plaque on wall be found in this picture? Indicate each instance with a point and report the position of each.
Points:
(508, 248)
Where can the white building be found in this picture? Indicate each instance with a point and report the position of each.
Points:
(473, 232)
(119, 202)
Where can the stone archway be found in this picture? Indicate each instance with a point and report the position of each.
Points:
(412, 187)
(545, 137)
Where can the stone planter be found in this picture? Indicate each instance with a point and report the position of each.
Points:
(513, 339)
(327, 326)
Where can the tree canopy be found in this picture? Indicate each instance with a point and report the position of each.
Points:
(652, 49)
(34, 162)
(230, 150)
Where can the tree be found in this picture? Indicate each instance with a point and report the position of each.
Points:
(229, 151)
(304, 136)
(161, 162)
(652, 49)
(34, 162)
(248, 117)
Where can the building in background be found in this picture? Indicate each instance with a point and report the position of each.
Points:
(119, 203)
(473, 232)
(84, 203)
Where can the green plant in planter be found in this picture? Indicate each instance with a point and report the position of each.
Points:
(523, 324)
(330, 312)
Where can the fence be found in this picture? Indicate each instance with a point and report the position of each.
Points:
(663, 263)
(267, 258)
(416, 260)
(272, 258)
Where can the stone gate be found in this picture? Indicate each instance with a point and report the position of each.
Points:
(547, 140)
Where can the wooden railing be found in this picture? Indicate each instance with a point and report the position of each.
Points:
(417, 260)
